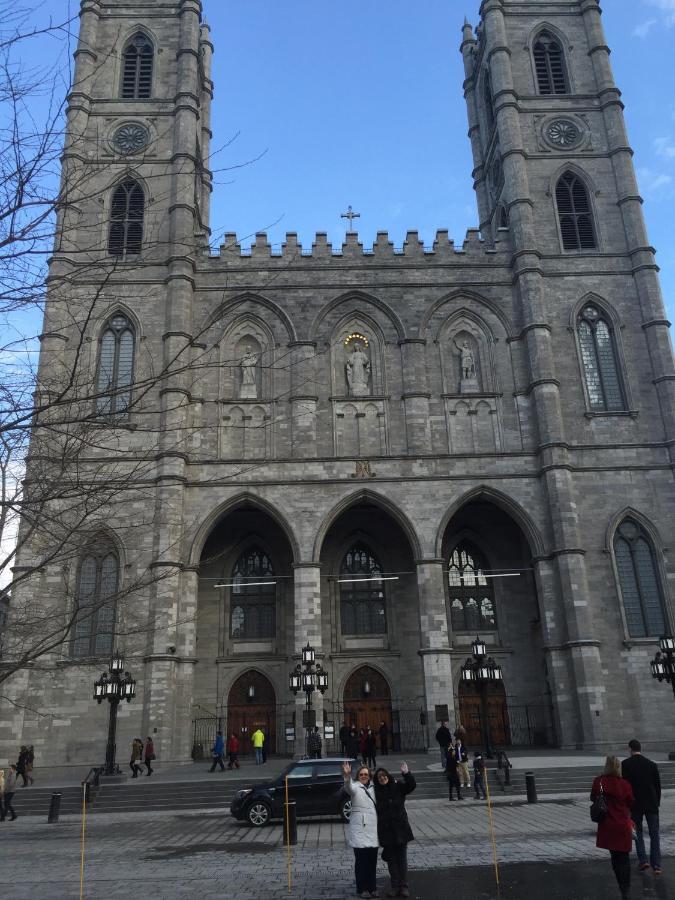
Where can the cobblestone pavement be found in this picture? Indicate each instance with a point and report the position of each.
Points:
(169, 856)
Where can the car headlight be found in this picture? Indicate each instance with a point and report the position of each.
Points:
(241, 794)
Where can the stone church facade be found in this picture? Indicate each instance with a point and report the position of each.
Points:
(384, 451)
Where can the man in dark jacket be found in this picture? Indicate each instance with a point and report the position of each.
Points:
(643, 776)
(444, 738)
(393, 829)
(452, 772)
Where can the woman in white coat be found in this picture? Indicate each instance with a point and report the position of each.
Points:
(362, 829)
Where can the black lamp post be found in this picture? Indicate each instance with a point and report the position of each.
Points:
(114, 686)
(663, 665)
(309, 676)
(482, 670)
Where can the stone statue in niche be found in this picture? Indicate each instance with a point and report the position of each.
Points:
(248, 364)
(468, 379)
(358, 371)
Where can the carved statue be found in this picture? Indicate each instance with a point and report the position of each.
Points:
(358, 371)
(467, 361)
(248, 365)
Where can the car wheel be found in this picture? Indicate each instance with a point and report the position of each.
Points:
(258, 814)
(345, 810)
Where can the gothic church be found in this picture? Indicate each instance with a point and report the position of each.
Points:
(383, 451)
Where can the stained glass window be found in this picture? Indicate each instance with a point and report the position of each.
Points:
(253, 597)
(472, 606)
(94, 626)
(362, 599)
(599, 360)
(639, 581)
(116, 366)
(127, 210)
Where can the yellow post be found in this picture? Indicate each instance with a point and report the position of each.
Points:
(84, 821)
(492, 829)
(288, 836)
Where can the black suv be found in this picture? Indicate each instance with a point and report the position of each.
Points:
(314, 785)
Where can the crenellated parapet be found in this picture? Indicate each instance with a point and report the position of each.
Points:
(412, 250)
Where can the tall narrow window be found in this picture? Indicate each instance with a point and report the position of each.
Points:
(488, 100)
(574, 213)
(94, 627)
(472, 605)
(253, 597)
(362, 600)
(639, 581)
(137, 60)
(115, 367)
(549, 64)
(126, 219)
(599, 360)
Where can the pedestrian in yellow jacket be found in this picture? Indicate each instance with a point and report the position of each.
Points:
(258, 739)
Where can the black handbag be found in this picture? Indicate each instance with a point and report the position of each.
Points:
(599, 806)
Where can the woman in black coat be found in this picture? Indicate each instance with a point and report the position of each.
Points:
(393, 829)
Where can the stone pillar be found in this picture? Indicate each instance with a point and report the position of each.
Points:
(303, 399)
(307, 627)
(416, 395)
(434, 638)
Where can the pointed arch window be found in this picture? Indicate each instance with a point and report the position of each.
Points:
(488, 100)
(549, 64)
(97, 585)
(363, 608)
(599, 360)
(253, 597)
(574, 213)
(471, 595)
(115, 366)
(639, 581)
(137, 64)
(126, 219)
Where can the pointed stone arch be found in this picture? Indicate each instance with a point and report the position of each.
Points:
(246, 713)
(246, 498)
(480, 301)
(510, 506)
(377, 500)
(240, 301)
(355, 298)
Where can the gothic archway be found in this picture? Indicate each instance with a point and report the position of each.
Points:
(251, 704)
(367, 699)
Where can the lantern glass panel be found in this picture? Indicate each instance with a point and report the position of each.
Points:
(478, 647)
(116, 663)
(308, 654)
(667, 643)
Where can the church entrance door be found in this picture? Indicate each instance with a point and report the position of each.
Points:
(367, 700)
(497, 714)
(251, 704)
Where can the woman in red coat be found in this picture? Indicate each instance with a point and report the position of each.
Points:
(615, 832)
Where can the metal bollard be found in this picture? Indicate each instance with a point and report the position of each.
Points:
(54, 808)
(290, 824)
(530, 787)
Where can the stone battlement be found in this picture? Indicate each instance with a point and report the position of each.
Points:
(413, 249)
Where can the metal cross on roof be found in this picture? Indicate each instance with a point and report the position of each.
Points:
(351, 215)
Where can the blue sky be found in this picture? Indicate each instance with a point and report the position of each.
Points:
(361, 103)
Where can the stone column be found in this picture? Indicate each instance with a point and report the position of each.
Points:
(307, 627)
(416, 395)
(434, 637)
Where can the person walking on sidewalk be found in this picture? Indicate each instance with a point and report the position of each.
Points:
(643, 776)
(452, 772)
(233, 751)
(136, 757)
(393, 829)
(10, 788)
(258, 739)
(149, 755)
(615, 831)
(2, 795)
(218, 752)
(383, 731)
(362, 829)
(30, 760)
(479, 775)
(314, 743)
(444, 738)
(21, 765)
(371, 749)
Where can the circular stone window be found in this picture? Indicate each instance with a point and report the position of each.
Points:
(130, 138)
(563, 133)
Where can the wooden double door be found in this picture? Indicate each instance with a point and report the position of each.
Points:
(248, 710)
(367, 700)
(470, 714)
